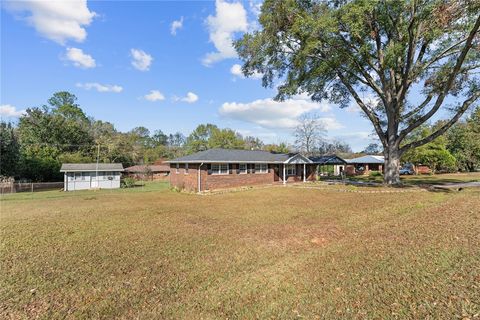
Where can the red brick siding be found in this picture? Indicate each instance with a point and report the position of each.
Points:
(310, 172)
(351, 170)
(183, 180)
(234, 179)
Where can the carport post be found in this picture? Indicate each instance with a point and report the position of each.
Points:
(284, 175)
(304, 173)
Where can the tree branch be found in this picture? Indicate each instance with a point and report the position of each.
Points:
(370, 114)
(466, 104)
(446, 86)
(445, 53)
(410, 55)
(420, 107)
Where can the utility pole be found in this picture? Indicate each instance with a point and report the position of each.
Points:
(96, 168)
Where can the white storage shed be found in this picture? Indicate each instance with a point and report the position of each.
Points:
(84, 176)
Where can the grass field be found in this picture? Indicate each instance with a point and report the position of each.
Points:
(278, 252)
(425, 179)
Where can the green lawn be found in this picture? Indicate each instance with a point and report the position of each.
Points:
(279, 252)
(141, 186)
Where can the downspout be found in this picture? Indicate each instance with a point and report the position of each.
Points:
(199, 177)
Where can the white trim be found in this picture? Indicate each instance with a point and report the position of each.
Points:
(294, 171)
(106, 170)
(219, 172)
(300, 156)
(244, 171)
(261, 171)
(225, 161)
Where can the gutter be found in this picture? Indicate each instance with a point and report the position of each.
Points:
(199, 177)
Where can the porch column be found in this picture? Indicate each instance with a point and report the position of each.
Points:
(284, 175)
(304, 172)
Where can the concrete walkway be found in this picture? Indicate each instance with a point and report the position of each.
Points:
(457, 186)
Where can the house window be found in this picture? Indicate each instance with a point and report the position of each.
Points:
(261, 168)
(79, 176)
(177, 168)
(242, 168)
(186, 168)
(219, 168)
(291, 169)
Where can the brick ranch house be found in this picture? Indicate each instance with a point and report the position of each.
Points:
(148, 172)
(364, 165)
(226, 168)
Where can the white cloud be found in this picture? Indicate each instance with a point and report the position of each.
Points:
(369, 99)
(272, 114)
(236, 70)
(55, 20)
(100, 87)
(141, 60)
(79, 58)
(154, 95)
(176, 25)
(189, 98)
(229, 18)
(7, 110)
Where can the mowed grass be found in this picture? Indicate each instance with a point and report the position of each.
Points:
(426, 179)
(279, 252)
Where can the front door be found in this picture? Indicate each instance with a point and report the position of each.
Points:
(276, 172)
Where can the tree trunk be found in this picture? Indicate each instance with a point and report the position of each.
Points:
(391, 175)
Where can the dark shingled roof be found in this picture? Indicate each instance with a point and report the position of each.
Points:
(69, 167)
(332, 159)
(233, 155)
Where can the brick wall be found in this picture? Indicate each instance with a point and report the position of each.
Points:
(189, 181)
(182, 179)
(352, 171)
(310, 173)
(234, 179)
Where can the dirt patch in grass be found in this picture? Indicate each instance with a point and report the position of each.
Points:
(266, 253)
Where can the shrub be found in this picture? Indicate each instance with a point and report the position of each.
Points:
(128, 182)
(376, 174)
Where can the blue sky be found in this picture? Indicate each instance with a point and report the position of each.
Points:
(127, 65)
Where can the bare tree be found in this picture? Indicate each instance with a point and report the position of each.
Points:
(309, 133)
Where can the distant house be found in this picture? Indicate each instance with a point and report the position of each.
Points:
(364, 165)
(226, 168)
(149, 172)
(84, 176)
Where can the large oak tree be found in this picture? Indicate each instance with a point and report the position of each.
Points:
(420, 59)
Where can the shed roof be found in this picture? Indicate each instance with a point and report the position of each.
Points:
(367, 159)
(234, 155)
(70, 167)
(152, 168)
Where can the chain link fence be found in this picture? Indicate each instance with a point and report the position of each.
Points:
(14, 187)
